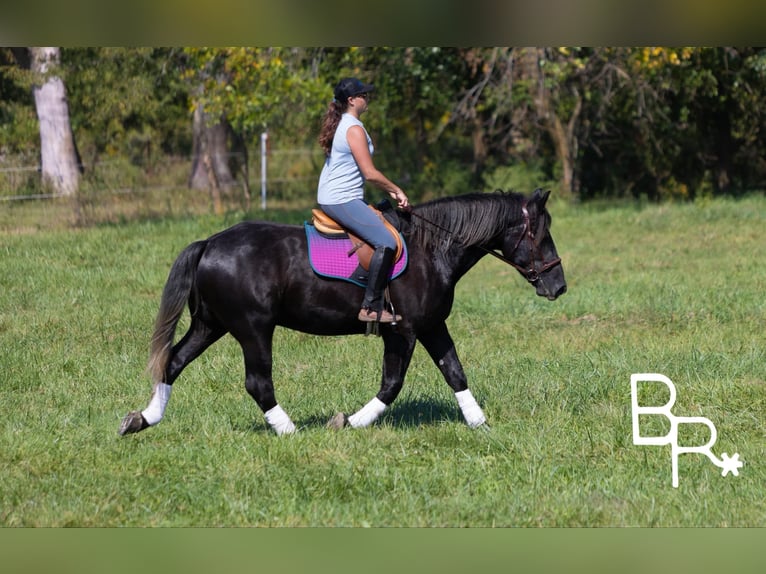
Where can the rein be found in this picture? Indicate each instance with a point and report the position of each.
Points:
(532, 274)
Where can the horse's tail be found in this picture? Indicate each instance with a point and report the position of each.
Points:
(180, 289)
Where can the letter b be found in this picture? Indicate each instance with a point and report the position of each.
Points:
(670, 437)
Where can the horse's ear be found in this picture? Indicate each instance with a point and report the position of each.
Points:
(541, 197)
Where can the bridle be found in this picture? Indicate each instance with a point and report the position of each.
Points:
(532, 274)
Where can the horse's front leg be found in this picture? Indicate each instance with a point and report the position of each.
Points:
(438, 342)
(397, 352)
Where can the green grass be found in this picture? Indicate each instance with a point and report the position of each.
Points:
(673, 289)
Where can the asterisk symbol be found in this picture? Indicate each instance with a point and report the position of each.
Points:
(731, 464)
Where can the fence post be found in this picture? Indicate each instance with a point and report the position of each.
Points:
(264, 142)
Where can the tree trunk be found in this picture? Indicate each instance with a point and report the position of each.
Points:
(479, 148)
(211, 142)
(561, 136)
(564, 152)
(60, 169)
(215, 190)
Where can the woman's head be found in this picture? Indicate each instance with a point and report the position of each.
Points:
(349, 88)
(348, 92)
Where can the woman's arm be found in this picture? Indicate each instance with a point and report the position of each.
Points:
(357, 141)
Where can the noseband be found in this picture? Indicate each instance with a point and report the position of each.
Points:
(532, 274)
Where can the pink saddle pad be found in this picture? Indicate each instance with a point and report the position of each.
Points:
(329, 258)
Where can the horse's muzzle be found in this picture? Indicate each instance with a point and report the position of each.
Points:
(559, 292)
(551, 284)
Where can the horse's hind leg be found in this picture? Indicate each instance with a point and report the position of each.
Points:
(256, 348)
(198, 338)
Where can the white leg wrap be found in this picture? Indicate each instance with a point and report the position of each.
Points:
(368, 414)
(279, 420)
(156, 409)
(472, 412)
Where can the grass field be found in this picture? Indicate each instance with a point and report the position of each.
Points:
(671, 289)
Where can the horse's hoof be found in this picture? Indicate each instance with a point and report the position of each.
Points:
(337, 422)
(132, 423)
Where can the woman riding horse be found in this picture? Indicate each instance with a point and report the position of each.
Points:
(256, 276)
(340, 194)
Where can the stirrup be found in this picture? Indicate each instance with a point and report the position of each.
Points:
(369, 316)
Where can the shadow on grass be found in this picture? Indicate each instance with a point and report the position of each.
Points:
(405, 414)
(417, 412)
(410, 413)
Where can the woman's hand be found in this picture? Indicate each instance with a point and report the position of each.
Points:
(401, 200)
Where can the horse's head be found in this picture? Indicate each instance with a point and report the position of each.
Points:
(530, 248)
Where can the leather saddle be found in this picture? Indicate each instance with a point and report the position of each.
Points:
(331, 228)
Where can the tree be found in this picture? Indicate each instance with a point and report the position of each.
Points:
(718, 99)
(240, 92)
(415, 88)
(60, 164)
(19, 128)
(212, 151)
(522, 106)
(547, 91)
(128, 103)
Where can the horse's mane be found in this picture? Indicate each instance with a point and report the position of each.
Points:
(469, 219)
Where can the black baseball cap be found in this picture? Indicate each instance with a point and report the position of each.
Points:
(349, 87)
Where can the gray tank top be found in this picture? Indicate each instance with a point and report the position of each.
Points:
(341, 180)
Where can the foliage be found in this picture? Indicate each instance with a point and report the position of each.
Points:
(19, 132)
(127, 102)
(518, 177)
(257, 89)
(686, 123)
(654, 122)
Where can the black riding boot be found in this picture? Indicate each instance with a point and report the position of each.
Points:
(373, 303)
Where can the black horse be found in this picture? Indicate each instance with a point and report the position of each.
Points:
(255, 276)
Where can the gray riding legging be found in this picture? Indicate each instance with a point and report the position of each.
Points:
(360, 220)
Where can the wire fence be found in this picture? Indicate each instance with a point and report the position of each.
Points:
(282, 174)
